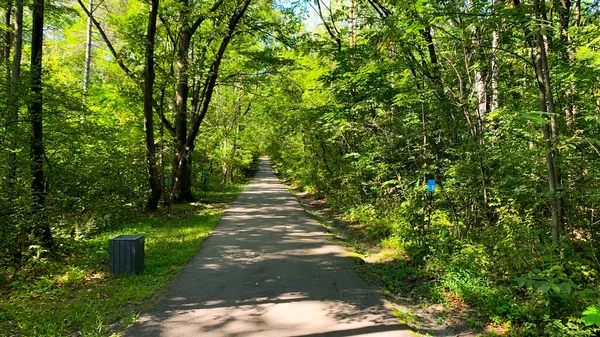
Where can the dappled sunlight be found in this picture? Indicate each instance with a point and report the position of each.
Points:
(269, 270)
(78, 296)
(265, 318)
(76, 276)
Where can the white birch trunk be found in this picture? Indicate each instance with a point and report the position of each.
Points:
(479, 77)
(495, 71)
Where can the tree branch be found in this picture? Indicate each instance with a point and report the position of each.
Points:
(126, 69)
(107, 41)
(333, 36)
(201, 19)
(381, 14)
(214, 73)
(169, 34)
(164, 119)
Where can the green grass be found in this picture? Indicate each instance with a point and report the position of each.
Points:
(75, 294)
(407, 318)
(219, 193)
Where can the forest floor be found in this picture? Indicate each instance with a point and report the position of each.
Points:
(447, 319)
(268, 269)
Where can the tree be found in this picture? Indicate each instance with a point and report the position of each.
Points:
(184, 136)
(38, 184)
(153, 179)
(13, 96)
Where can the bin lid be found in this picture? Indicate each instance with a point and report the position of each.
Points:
(127, 237)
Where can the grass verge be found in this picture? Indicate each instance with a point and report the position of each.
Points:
(75, 294)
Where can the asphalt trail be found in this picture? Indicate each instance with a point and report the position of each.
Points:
(268, 269)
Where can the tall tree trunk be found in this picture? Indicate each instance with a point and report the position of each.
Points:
(88, 58)
(5, 55)
(481, 98)
(184, 143)
(495, 90)
(480, 88)
(187, 188)
(549, 129)
(234, 152)
(553, 121)
(155, 188)
(495, 45)
(38, 186)
(225, 165)
(479, 76)
(568, 54)
(180, 160)
(162, 148)
(13, 97)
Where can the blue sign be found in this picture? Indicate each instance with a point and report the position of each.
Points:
(170, 181)
(431, 185)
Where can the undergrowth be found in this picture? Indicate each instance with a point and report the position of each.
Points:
(72, 292)
(510, 283)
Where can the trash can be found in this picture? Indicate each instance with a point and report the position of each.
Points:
(126, 254)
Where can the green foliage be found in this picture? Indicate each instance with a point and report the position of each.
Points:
(591, 316)
(361, 118)
(75, 292)
(572, 328)
(370, 118)
(95, 163)
(544, 282)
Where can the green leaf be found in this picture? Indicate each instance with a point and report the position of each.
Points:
(592, 319)
(565, 288)
(591, 310)
(542, 286)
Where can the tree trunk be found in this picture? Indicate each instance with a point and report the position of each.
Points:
(553, 123)
(88, 50)
(155, 189)
(549, 129)
(13, 97)
(495, 45)
(187, 190)
(233, 152)
(184, 143)
(482, 109)
(568, 54)
(479, 76)
(162, 148)
(225, 165)
(5, 55)
(38, 186)
(180, 160)
(481, 99)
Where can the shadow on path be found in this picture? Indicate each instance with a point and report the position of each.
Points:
(268, 270)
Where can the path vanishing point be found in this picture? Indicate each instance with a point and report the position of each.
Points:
(267, 270)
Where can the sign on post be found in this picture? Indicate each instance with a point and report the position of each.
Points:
(431, 185)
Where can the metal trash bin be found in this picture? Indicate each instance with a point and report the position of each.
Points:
(126, 254)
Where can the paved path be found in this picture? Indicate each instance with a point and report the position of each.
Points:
(268, 270)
